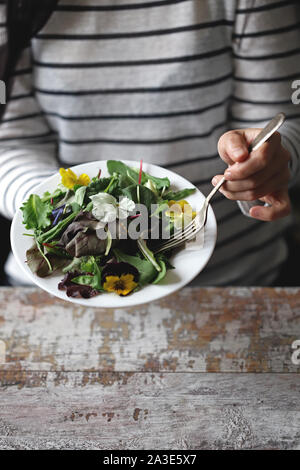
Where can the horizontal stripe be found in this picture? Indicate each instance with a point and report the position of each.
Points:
(246, 252)
(270, 6)
(20, 97)
(142, 141)
(27, 137)
(116, 91)
(22, 117)
(135, 63)
(191, 160)
(275, 268)
(242, 280)
(202, 181)
(133, 35)
(15, 167)
(278, 55)
(5, 203)
(240, 234)
(217, 199)
(225, 218)
(293, 76)
(136, 116)
(19, 72)
(288, 117)
(36, 178)
(270, 32)
(255, 103)
(132, 6)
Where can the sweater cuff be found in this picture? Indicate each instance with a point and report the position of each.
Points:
(294, 161)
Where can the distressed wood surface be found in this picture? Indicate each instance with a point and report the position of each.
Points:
(203, 369)
(200, 330)
(152, 411)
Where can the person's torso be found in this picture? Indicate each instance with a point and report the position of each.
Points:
(151, 80)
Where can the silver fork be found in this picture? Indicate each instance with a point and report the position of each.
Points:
(194, 227)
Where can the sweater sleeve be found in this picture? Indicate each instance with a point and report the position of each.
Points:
(27, 143)
(266, 55)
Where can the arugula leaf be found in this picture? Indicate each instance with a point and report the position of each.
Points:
(36, 213)
(145, 268)
(178, 195)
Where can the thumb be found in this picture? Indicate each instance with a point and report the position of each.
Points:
(233, 147)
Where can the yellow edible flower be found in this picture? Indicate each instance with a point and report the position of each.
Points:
(69, 179)
(181, 212)
(121, 285)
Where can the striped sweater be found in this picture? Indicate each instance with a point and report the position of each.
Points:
(159, 80)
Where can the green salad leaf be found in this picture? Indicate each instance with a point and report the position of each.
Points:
(161, 275)
(49, 252)
(36, 213)
(56, 230)
(93, 280)
(55, 196)
(178, 195)
(115, 166)
(145, 268)
(146, 196)
(160, 183)
(97, 185)
(79, 195)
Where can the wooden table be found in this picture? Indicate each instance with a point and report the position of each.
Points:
(203, 369)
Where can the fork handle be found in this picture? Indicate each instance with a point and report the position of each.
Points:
(215, 189)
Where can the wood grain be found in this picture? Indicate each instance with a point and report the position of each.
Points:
(203, 369)
(200, 330)
(151, 411)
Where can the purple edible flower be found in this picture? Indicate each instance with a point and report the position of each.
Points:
(57, 213)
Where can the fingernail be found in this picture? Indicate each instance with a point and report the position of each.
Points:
(227, 174)
(214, 181)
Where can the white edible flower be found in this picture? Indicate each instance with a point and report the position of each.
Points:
(126, 205)
(104, 207)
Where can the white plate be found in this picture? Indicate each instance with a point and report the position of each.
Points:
(188, 263)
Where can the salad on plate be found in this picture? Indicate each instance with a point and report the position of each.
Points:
(101, 232)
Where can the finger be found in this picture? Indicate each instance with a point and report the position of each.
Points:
(233, 147)
(258, 179)
(277, 182)
(270, 153)
(281, 207)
